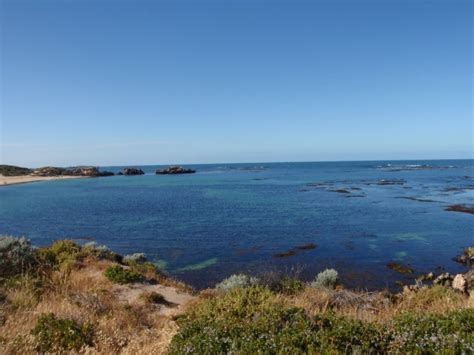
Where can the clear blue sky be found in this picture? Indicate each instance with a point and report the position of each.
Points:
(147, 82)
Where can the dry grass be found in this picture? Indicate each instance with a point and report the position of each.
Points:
(380, 306)
(85, 295)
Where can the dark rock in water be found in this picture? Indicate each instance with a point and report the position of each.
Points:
(49, 171)
(402, 269)
(341, 191)
(119, 173)
(308, 246)
(132, 171)
(285, 254)
(172, 170)
(384, 182)
(467, 257)
(461, 208)
(415, 199)
(11, 170)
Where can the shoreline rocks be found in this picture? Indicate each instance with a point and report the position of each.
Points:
(174, 170)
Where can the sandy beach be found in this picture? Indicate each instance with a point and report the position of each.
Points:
(14, 180)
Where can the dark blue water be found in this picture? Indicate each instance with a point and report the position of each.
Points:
(230, 218)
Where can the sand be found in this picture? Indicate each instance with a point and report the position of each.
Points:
(13, 180)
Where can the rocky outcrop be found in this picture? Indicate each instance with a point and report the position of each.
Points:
(467, 257)
(172, 170)
(90, 171)
(459, 283)
(132, 171)
(49, 171)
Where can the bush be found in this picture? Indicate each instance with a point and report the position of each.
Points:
(54, 334)
(119, 275)
(254, 320)
(134, 258)
(290, 285)
(244, 320)
(435, 333)
(325, 279)
(62, 253)
(100, 252)
(234, 281)
(16, 256)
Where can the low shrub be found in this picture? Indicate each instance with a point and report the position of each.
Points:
(325, 279)
(54, 334)
(16, 256)
(290, 285)
(119, 275)
(235, 281)
(255, 320)
(134, 258)
(244, 320)
(62, 253)
(434, 333)
(100, 252)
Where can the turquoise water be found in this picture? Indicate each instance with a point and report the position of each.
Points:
(230, 218)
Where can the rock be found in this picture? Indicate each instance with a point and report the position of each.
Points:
(444, 279)
(49, 171)
(461, 208)
(459, 283)
(172, 170)
(467, 257)
(132, 171)
(119, 173)
(402, 269)
(469, 276)
(427, 277)
(87, 171)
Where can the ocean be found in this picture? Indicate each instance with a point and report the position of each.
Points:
(251, 218)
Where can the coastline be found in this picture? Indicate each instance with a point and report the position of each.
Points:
(24, 179)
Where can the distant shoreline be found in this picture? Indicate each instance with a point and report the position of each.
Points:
(24, 179)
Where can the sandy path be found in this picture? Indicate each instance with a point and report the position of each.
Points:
(13, 180)
(176, 298)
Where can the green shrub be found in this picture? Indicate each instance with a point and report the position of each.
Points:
(291, 285)
(244, 320)
(325, 279)
(100, 252)
(433, 333)
(119, 275)
(344, 335)
(54, 334)
(62, 253)
(134, 258)
(16, 256)
(234, 281)
(254, 320)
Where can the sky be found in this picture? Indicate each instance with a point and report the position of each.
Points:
(158, 82)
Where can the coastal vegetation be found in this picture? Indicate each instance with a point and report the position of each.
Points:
(11, 170)
(87, 299)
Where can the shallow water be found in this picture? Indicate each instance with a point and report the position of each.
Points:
(230, 218)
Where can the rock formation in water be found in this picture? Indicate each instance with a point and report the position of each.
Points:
(175, 170)
(132, 171)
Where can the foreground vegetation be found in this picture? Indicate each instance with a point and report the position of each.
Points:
(88, 299)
